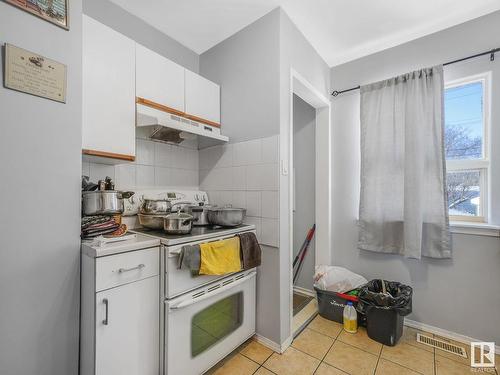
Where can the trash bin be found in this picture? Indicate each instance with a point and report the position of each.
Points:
(331, 305)
(385, 304)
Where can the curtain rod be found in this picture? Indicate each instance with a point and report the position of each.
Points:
(490, 52)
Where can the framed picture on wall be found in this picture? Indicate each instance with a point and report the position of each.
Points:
(55, 11)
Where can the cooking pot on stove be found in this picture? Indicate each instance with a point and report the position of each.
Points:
(178, 223)
(199, 213)
(155, 206)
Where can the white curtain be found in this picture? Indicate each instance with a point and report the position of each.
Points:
(403, 207)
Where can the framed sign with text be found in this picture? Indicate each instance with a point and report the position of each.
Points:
(34, 74)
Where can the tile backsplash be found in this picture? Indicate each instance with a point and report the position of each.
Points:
(157, 164)
(246, 174)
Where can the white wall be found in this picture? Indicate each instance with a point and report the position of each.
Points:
(460, 295)
(245, 174)
(136, 29)
(40, 149)
(157, 165)
(304, 161)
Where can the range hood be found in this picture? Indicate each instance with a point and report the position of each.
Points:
(163, 126)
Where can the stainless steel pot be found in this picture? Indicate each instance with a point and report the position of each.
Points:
(226, 216)
(155, 206)
(106, 202)
(178, 223)
(199, 213)
(151, 221)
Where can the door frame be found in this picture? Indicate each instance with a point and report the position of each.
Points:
(323, 180)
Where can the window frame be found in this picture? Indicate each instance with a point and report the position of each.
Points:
(482, 165)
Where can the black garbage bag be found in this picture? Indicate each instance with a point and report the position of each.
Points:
(397, 298)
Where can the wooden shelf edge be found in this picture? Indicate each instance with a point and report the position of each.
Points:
(111, 155)
(164, 108)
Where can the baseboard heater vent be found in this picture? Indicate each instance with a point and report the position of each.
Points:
(442, 345)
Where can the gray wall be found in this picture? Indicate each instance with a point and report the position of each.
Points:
(40, 146)
(304, 161)
(295, 53)
(253, 68)
(461, 295)
(119, 19)
(246, 65)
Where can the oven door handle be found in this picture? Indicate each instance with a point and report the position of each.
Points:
(213, 293)
(176, 253)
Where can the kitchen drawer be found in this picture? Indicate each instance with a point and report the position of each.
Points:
(120, 269)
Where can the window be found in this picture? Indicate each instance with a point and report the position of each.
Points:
(466, 147)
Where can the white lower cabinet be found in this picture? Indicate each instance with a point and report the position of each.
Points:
(120, 314)
(127, 329)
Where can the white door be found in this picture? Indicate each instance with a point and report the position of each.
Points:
(127, 329)
(158, 79)
(108, 90)
(202, 97)
(205, 325)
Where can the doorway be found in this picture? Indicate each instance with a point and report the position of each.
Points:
(310, 192)
(304, 211)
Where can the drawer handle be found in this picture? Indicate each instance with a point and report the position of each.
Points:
(106, 304)
(139, 267)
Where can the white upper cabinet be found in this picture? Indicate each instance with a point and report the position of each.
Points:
(108, 92)
(158, 79)
(202, 97)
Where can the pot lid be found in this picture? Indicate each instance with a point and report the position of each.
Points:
(179, 216)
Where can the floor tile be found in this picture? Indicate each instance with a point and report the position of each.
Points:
(410, 356)
(361, 340)
(445, 366)
(350, 359)
(454, 357)
(263, 371)
(313, 343)
(237, 365)
(256, 351)
(292, 362)
(325, 326)
(386, 367)
(325, 369)
(410, 337)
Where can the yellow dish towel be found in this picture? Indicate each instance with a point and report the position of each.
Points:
(220, 257)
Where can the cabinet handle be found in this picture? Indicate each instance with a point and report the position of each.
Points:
(139, 267)
(106, 304)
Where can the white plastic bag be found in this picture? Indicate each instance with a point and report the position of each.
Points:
(337, 279)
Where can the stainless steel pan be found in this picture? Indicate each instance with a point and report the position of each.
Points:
(226, 216)
(105, 202)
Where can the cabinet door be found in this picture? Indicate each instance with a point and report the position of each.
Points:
(108, 90)
(202, 97)
(127, 329)
(159, 79)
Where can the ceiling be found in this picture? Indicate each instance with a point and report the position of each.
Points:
(339, 30)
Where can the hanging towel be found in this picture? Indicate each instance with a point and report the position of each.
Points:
(189, 258)
(251, 252)
(220, 257)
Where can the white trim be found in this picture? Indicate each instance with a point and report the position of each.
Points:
(445, 333)
(483, 165)
(275, 347)
(478, 229)
(304, 291)
(323, 178)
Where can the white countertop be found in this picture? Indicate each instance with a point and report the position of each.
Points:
(137, 243)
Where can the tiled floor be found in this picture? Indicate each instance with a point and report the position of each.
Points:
(323, 348)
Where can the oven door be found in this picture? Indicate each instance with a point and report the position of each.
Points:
(205, 325)
(179, 281)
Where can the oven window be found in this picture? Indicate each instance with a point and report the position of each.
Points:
(212, 324)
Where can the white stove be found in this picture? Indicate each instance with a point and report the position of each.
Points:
(204, 317)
